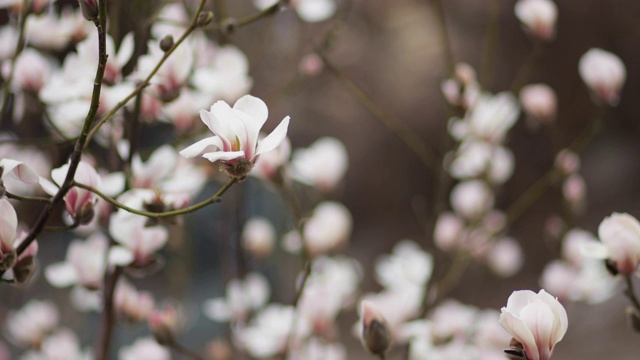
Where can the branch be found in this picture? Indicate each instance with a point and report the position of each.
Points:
(107, 321)
(401, 130)
(101, 25)
(193, 26)
(213, 199)
(27, 198)
(19, 47)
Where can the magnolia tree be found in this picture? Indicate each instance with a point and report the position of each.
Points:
(113, 141)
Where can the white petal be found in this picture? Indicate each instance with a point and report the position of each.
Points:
(126, 50)
(223, 155)
(61, 274)
(19, 170)
(120, 256)
(315, 10)
(217, 309)
(275, 138)
(8, 223)
(113, 184)
(595, 250)
(48, 187)
(197, 148)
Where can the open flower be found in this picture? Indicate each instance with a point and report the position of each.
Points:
(536, 321)
(236, 131)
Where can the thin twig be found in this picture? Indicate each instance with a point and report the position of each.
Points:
(20, 44)
(630, 292)
(444, 35)
(400, 129)
(491, 42)
(213, 199)
(101, 25)
(27, 198)
(108, 316)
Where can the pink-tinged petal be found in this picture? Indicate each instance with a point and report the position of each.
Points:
(540, 319)
(517, 328)
(8, 225)
(275, 138)
(199, 147)
(87, 175)
(560, 315)
(126, 50)
(120, 256)
(48, 187)
(19, 170)
(223, 155)
(61, 274)
(58, 175)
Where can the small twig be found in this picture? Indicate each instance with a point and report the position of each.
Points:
(185, 351)
(18, 50)
(27, 198)
(213, 199)
(444, 35)
(526, 69)
(108, 317)
(491, 42)
(62, 228)
(630, 292)
(194, 25)
(400, 129)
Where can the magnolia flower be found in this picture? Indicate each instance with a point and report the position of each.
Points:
(309, 10)
(567, 162)
(490, 118)
(536, 321)
(620, 236)
(471, 199)
(85, 264)
(604, 73)
(225, 76)
(16, 170)
(329, 227)
(30, 71)
(539, 102)
(137, 242)
(242, 297)
(538, 17)
(258, 236)
(28, 326)
(505, 257)
(62, 344)
(236, 131)
(448, 230)
(144, 349)
(376, 334)
(79, 202)
(134, 305)
(164, 324)
(322, 165)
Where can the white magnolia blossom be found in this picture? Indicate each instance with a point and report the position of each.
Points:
(540, 103)
(236, 131)
(30, 72)
(604, 73)
(322, 165)
(29, 326)
(49, 31)
(448, 230)
(475, 158)
(134, 305)
(309, 10)
(538, 17)
(62, 344)
(85, 264)
(619, 234)
(242, 297)
(268, 333)
(505, 257)
(471, 199)
(137, 242)
(328, 228)
(144, 349)
(489, 119)
(316, 349)
(258, 236)
(537, 321)
(18, 171)
(225, 77)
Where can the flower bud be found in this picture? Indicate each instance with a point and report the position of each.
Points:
(238, 168)
(163, 325)
(604, 73)
(540, 103)
(204, 19)
(538, 17)
(166, 43)
(86, 214)
(574, 190)
(219, 350)
(24, 269)
(7, 261)
(229, 25)
(89, 9)
(567, 162)
(258, 237)
(376, 335)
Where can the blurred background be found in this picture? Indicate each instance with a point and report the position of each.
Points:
(394, 51)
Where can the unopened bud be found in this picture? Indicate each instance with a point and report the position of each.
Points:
(611, 267)
(228, 25)
(166, 43)
(89, 9)
(574, 191)
(376, 335)
(219, 350)
(7, 261)
(24, 269)
(633, 318)
(204, 19)
(163, 325)
(86, 213)
(567, 162)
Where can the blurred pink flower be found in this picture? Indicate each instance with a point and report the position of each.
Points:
(328, 228)
(539, 102)
(537, 321)
(85, 264)
(258, 236)
(134, 305)
(604, 73)
(144, 349)
(620, 236)
(538, 17)
(28, 326)
(322, 165)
